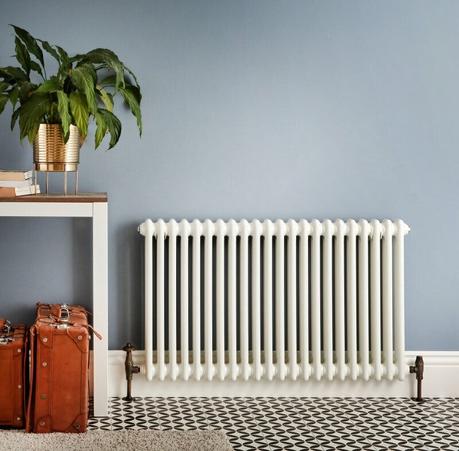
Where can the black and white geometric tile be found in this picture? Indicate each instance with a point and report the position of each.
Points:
(299, 423)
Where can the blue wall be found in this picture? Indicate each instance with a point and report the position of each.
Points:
(257, 109)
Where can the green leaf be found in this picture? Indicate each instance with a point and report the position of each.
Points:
(113, 126)
(110, 80)
(106, 58)
(36, 67)
(65, 64)
(25, 90)
(53, 117)
(14, 118)
(80, 112)
(31, 114)
(83, 78)
(13, 74)
(101, 129)
(132, 97)
(107, 98)
(3, 102)
(22, 55)
(133, 76)
(30, 42)
(51, 85)
(51, 50)
(59, 54)
(63, 109)
(64, 55)
(14, 95)
(131, 94)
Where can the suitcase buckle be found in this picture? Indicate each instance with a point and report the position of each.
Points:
(64, 317)
(4, 340)
(6, 327)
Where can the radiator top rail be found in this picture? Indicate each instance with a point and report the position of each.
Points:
(372, 228)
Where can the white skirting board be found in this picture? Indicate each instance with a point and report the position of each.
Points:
(441, 379)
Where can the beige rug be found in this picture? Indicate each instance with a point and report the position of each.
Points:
(195, 440)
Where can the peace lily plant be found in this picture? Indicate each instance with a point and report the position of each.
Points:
(81, 90)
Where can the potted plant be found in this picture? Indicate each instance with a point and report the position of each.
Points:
(54, 111)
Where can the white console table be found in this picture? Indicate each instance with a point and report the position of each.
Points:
(93, 205)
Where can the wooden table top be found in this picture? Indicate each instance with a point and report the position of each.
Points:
(81, 197)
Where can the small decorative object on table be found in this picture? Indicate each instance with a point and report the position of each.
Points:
(54, 111)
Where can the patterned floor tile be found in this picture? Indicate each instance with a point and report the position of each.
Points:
(299, 423)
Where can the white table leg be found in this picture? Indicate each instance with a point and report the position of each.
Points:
(100, 306)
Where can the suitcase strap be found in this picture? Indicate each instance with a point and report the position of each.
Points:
(64, 324)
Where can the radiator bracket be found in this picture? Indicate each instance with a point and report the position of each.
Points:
(130, 370)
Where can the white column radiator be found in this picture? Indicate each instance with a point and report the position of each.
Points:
(264, 300)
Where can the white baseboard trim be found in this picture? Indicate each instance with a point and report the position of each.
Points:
(441, 379)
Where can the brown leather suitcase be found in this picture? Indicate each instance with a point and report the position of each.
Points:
(13, 343)
(59, 370)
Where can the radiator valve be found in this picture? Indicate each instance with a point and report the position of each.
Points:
(130, 369)
(418, 369)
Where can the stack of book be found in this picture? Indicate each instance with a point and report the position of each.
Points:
(17, 183)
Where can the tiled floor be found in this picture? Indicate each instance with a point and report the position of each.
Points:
(299, 423)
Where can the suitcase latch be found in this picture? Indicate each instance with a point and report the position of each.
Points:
(64, 317)
(65, 313)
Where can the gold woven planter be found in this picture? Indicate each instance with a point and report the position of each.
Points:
(51, 153)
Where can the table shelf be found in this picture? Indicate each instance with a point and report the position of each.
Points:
(89, 205)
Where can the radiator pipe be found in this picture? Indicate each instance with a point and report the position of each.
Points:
(130, 369)
(418, 369)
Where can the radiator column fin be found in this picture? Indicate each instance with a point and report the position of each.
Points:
(375, 299)
(291, 300)
(208, 277)
(256, 318)
(399, 299)
(315, 300)
(328, 299)
(363, 319)
(280, 300)
(268, 299)
(160, 318)
(340, 313)
(196, 271)
(148, 231)
(305, 230)
(221, 367)
(232, 320)
(244, 299)
(352, 298)
(173, 229)
(388, 347)
(184, 317)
